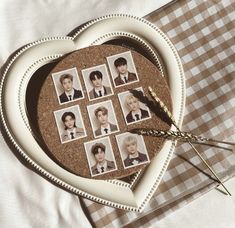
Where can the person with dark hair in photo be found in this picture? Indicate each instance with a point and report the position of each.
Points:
(69, 93)
(99, 90)
(105, 128)
(124, 76)
(136, 113)
(71, 131)
(102, 164)
(134, 157)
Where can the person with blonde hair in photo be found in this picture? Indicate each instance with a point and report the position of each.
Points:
(134, 156)
(136, 113)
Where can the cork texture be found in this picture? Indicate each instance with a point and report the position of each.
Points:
(71, 156)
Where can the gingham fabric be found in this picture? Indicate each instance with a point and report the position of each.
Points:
(203, 33)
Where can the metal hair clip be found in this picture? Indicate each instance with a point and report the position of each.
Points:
(177, 135)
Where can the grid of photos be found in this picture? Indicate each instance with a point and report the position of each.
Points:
(132, 109)
(99, 84)
(70, 124)
(68, 86)
(100, 156)
(132, 149)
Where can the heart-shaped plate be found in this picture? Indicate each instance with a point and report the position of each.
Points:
(14, 117)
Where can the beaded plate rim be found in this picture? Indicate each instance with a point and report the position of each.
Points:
(47, 174)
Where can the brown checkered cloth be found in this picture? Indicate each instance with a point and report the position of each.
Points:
(203, 33)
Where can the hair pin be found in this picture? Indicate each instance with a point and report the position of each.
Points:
(168, 117)
(176, 135)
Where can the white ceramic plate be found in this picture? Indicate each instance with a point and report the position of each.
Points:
(15, 121)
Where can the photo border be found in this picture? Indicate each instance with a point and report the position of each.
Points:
(57, 124)
(56, 89)
(108, 76)
(137, 121)
(133, 64)
(120, 149)
(88, 160)
(92, 126)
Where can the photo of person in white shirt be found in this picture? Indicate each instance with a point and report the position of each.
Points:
(133, 110)
(97, 82)
(132, 149)
(102, 164)
(69, 93)
(71, 131)
(105, 127)
(122, 69)
(100, 156)
(134, 156)
(103, 118)
(124, 76)
(70, 124)
(68, 86)
(136, 113)
(99, 90)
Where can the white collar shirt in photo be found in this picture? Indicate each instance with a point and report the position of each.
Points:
(103, 132)
(99, 167)
(132, 156)
(102, 91)
(73, 131)
(136, 113)
(123, 76)
(135, 161)
(71, 94)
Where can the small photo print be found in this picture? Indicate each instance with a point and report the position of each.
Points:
(122, 69)
(70, 124)
(132, 149)
(100, 156)
(132, 109)
(103, 119)
(68, 86)
(97, 82)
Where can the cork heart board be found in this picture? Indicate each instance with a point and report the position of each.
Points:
(85, 111)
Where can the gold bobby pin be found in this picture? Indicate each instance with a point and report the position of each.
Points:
(176, 135)
(168, 113)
